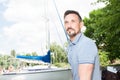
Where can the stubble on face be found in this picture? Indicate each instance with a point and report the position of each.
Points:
(71, 32)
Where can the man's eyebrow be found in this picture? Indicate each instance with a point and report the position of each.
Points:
(65, 21)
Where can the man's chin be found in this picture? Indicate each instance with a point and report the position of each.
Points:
(72, 35)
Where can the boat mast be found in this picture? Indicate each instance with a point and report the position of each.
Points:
(47, 28)
(47, 25)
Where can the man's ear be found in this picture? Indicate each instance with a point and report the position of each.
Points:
(83, 27)
(81, 24)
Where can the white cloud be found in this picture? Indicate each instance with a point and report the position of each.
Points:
(2, 1)
(24, 10)
(28, 34)
(25, 36)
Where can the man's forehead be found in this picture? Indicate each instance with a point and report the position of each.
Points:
(71, 16)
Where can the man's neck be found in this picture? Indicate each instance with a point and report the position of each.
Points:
(72, 38)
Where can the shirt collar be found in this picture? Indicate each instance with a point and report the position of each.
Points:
(77, 38)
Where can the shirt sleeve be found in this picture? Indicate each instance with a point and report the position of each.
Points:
(88, 53)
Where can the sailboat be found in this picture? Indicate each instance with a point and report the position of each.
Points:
(38, 73)
(46, 72)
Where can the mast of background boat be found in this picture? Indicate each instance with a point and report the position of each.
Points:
(47, 27)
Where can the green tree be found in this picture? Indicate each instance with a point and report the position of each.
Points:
(13, 53)
(59, 54)
(104, 26)
(34, 54)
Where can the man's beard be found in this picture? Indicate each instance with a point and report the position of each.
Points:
(71, 32)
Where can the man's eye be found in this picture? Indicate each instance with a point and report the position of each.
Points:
(66, 22)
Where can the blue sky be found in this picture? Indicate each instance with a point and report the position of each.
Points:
(23, 23)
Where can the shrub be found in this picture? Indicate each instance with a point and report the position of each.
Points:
(104, 59)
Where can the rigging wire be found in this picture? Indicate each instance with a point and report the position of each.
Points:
(57, 32)
(60, 20)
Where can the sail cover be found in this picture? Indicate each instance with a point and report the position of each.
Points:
(45, 58)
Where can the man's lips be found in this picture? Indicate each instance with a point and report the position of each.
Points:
(70, 29)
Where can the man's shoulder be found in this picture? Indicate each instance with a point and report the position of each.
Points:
(88, 43)
(86, 39)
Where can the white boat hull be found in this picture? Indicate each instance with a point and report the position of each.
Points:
(47, 74)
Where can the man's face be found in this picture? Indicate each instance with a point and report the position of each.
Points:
(72, 24)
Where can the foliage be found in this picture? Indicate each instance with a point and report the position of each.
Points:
(104, 27)
(58, 54)
(63, 65)
(6, 60)
(13, 53)
(104, 60)
(34, 54)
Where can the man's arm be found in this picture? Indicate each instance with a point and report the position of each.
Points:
(85, 71)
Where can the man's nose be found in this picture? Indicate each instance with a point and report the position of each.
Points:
(69, 25)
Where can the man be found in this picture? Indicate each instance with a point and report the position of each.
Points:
(82, 51)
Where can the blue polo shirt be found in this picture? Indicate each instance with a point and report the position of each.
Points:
(83, 50)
